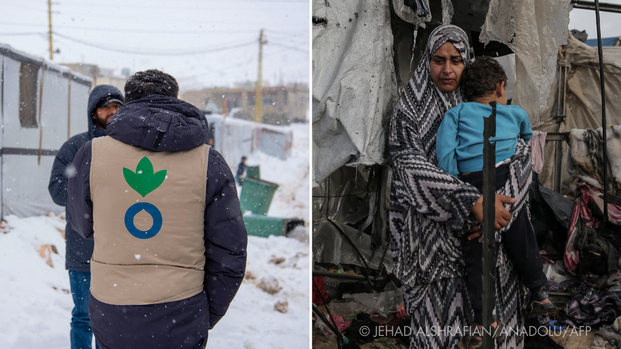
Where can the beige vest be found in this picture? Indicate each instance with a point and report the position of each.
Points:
(148, 249)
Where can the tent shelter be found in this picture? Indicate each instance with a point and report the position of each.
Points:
(42, 104)
(235, 138)
(364, 52)
(576, 103)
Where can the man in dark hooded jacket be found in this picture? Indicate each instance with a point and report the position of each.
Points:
(103, 102)
(162, 207)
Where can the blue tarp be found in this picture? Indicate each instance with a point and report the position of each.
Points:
(605, 41)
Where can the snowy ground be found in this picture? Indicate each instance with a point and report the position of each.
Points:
(34, 285)
(291, 199)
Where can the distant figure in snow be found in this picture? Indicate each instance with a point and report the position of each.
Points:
(241, 169)
(162, 207)
(103, 102)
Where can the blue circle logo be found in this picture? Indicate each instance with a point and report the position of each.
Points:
(150, 209)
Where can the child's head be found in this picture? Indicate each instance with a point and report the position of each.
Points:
(483, 77)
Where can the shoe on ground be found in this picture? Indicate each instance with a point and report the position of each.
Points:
(475, 343)
(538, 309)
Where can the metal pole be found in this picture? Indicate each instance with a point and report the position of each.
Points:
(49, 15)
(588, 5)
(40, 113)
(69, 107)
(560, 118)
(489, 244)
(258, 104)
(603, 92)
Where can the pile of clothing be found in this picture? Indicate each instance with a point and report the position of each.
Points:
(595, 300)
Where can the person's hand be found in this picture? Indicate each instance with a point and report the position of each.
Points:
(402, 314)
(475, 233)
(502, 216)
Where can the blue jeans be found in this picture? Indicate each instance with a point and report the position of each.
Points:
(81, 332)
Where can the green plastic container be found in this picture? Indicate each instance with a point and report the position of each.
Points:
(256, 195)
(253, 172)
(264, 226)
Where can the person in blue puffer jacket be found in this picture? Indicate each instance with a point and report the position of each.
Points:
(103, 102)
(162, 208)
(459, 147)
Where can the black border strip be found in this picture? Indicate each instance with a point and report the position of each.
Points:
(27, 151)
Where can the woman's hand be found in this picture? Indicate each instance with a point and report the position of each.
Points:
(475, 233)
(502, 215)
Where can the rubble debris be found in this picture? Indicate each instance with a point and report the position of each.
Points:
(269, 284)
(249, 276)
(276, 260)
(45, 252)
(61, 231)
(282, 306)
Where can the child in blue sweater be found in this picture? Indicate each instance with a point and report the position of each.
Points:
(459, 147)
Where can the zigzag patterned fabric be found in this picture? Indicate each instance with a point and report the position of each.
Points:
(430, 211)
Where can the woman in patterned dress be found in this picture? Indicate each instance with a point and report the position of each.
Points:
(431, 210)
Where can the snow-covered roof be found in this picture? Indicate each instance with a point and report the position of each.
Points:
(9, 51)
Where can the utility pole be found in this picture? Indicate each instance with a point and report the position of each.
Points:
(258, 108)
(49, 14)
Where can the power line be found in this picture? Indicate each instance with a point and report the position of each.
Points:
(155, 31)
(184, 2)
(155, 53)
(137, 31)
(244, 63)
(304, 35)
(305, 32)
(26, 7)
(288, 47)
(25, 24)
(31, 33)
(302, 40)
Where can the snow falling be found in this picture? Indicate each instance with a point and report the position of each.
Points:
(271, 309)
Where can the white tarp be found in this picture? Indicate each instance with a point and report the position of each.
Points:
(533, 30)
(239, 138)
(28, 151)
(583, 103)
(354, 84)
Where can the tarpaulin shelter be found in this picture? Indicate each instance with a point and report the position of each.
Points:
(356, 80)
(576, 104)
(235, 138)
(42, 104)
(364, 51)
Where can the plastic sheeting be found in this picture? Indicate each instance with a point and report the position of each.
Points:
(342, 206)
(419, 16)
(235, 138)
(550, 216)
(533, 30)
(583, 101)
(337, 243)
(354, 84)
(28, 151)
(422, 14)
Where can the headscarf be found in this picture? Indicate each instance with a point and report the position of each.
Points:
(426, 101)
(429, 208)
(412, 137)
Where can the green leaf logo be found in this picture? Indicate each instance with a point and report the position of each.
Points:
(144, 180)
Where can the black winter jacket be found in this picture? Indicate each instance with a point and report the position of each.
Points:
(78, 250)
(160, 123)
